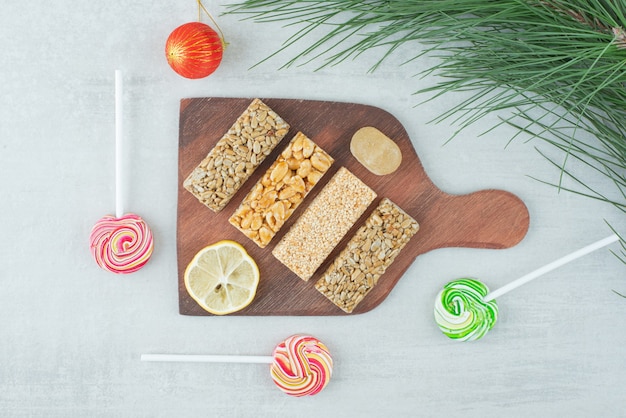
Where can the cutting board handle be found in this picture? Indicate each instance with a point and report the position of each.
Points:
(484, 219)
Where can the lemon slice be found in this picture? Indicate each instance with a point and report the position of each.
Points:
(222, 278)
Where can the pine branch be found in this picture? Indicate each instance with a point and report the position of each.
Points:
(559, 66)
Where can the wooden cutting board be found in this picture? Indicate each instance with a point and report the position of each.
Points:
(484, 219)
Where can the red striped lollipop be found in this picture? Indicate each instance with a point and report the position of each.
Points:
(122, 243)
(300, 365)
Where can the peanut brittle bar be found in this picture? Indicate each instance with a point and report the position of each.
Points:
(366, 257)
(324, 223)
(236, 155)
(280, 191)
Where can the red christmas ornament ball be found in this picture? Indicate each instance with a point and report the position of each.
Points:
(194, 50)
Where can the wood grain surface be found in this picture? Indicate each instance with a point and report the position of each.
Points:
(483, 219)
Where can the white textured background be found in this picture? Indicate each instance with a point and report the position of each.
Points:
(71, 334)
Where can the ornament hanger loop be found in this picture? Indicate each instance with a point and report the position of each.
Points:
(201, 9)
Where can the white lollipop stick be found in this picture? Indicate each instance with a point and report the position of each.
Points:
(549, 267)
(206, 358)
(119, 177)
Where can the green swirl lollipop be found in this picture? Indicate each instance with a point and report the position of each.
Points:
(461, 312)
(465, 310)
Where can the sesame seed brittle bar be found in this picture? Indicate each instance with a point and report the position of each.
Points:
(324, 223)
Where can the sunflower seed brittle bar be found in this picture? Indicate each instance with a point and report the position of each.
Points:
(236, 155)
(366, 257)
(280, 191)
(324, 223)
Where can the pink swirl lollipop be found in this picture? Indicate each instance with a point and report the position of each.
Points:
(301, 365)
(121, 243)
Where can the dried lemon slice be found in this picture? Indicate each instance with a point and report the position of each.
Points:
(222, 278)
